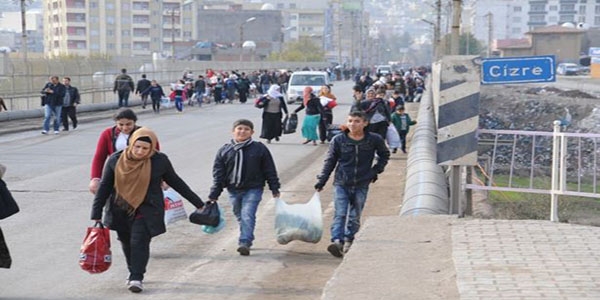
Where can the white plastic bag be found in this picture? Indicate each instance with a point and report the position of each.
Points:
(392, 137)
(302, 222)
(174, 210)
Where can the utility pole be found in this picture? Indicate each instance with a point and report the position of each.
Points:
(23, 30)
(352, 25)
(173, 34)
(456, 11)
(490, 18)
(437, 29)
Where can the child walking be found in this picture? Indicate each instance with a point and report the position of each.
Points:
(402, 122)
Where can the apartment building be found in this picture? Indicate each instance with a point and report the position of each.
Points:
(110, 27)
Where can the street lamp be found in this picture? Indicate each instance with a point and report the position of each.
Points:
(436, 38)
(242, 35)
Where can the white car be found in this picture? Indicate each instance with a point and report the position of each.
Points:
(567, 69)
(301, 79)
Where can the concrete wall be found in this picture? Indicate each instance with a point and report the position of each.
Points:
(566, 47)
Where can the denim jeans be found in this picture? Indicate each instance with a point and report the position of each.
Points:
(49, 112)
(245, 203)
(124, 98)
(179, 103)
(349, 203)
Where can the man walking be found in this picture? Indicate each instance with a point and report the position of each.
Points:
(242, 167)
(123, 85)
(351, 154)
(141, 86)
(70, 102)
(53, 95)
(200, 89)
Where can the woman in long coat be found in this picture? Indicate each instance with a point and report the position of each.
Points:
(314, 111)
(131, 183)
(272, 114)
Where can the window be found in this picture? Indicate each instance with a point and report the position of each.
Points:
(187, 21)
(553, 7)
(567, 7)
(536, 19)
(292, 5)
(110, 32)
(537, 7)
(597, 10)
(125, 32)
(567, 18)
(582, 9)
(553, 19)
(94, 32)
(125, 20)
(110, 46)
(280, 6)
(581, 19)
(110, 20)
(94, 46)
(516, 19)
(93, 4)
(125, 6)
(125, 46)
(110, 6)
(187, 34)
(94, 20)
(516, 30)
(517, 9)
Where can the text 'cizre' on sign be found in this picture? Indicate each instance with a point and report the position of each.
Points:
(505, 70)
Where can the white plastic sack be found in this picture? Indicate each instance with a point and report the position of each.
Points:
(174, 210)
(392, 137)
(301, 222)
(324, 100)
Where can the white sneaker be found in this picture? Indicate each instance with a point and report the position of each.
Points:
(135, 286)
(44, 132)
(56, 132)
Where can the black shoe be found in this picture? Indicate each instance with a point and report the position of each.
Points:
(394, 150)
(243, 250)
(268, 141)
(277, 139)
(404, 151)
(336, 249)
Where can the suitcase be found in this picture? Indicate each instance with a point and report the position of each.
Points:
(333, 130)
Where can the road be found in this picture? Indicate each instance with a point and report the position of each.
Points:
(49, 174)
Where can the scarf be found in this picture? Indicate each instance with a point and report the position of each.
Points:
(274, 92)
(238, 166)
(132, 175)
(307, 94)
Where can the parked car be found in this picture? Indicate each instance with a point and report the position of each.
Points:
(384, 69)
(301, 79)
(567, 69)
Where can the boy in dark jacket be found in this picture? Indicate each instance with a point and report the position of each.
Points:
(242, 167)
(351, 154)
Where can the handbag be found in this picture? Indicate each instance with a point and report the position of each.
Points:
(8, 205)
(210, 215)
(261, 102)
(95, 256)
(331, 104)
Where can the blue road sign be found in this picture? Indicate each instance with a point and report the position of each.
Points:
(518, 69)
(594, 51)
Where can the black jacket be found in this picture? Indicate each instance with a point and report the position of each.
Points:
(73, 95)
(142, 85)
(258, 167)
(153, 207)
(354, 160)
(313, 106)
(56, 98)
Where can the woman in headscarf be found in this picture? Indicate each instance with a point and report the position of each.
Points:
(326, 97)
(314, 110)
(136, 211)
(272, 113)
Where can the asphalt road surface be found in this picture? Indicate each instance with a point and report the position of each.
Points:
(49, 176)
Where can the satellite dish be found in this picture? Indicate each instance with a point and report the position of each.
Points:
(267, 6)
(583, 26)
(568, 25)
(5, 50)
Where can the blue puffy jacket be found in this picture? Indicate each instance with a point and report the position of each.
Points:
(354, 160)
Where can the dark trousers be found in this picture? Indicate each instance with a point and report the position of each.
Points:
(379, 128)
(123, 98)
(68, 112)
(326, 120)
(156, 105)
(144, 100)
(402, 134)
(136, 247)
(243, 95)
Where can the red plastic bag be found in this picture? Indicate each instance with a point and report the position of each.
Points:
(331, 104)
(95, 256)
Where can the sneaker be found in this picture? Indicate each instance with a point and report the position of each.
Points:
(135, 286)
(336, 249)
(347, 246)
(75, 128)
(244, 250)
(56, 132)
(44, 132)
(65, 129)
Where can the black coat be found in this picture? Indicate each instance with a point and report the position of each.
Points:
(153, 207)
(354, 160)
(74, 96)
(57, 97)
(258, 168)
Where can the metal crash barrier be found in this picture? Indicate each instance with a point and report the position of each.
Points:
(426, 189)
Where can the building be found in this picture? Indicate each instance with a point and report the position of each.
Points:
(562, 42)
(110, 27)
